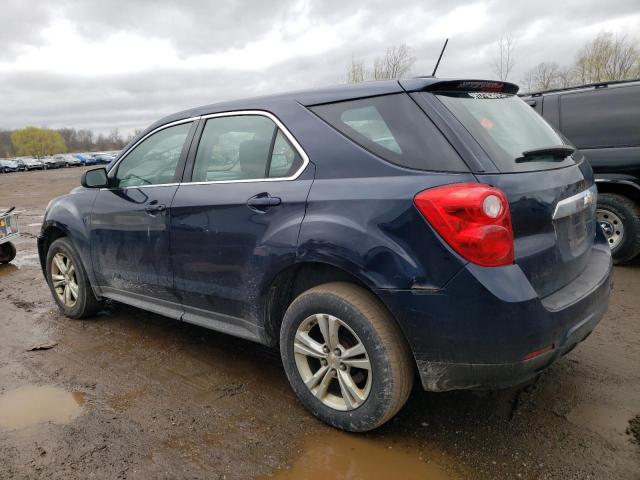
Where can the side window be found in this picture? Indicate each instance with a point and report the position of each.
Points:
(394, 128)
(234, 148)
(154, 161)
(607, 117)
(285, 160)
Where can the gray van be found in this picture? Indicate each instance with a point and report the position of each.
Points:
(603, 121)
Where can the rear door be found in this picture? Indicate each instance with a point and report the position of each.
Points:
(551, 195)
(236, 218)
(130, 242)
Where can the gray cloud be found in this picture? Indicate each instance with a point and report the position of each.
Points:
(103, 99)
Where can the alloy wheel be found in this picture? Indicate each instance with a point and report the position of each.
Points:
(332, 362)
(64, 279)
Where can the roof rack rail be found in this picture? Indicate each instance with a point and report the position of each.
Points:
(595, 85)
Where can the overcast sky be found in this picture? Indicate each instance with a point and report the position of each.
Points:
(125, 63)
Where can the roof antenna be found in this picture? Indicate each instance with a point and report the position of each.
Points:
(440, 57)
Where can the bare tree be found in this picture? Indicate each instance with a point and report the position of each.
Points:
(566, 77)
(504, 60)
(544, 76)
(527, 82)
(356, 72)
(607, 57)
(395, 63)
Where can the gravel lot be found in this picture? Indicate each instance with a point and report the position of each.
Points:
(134, 395)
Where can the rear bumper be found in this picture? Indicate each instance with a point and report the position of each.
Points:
(482, 330)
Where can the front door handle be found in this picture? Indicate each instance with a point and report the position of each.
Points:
(263, 201)
(155, 208)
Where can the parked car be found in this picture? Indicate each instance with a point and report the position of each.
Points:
(603, 121)
(371, 232)
(7, 166)
(33, 164)
(21, 165)
(67, 160)
(85, 158)
(72, 161)
(53, 162)
(104, 158)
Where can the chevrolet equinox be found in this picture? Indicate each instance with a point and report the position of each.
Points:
(428, 229)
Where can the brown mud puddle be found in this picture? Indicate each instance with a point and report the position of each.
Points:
(30, 405)
(7, 268)
(338, 456)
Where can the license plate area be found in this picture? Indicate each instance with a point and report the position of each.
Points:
(574, 224)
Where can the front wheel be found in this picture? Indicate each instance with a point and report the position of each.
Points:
(619, 218)
(345, 356)
(68, 281)
(7, 252)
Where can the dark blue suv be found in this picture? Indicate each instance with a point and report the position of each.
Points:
(377, 233)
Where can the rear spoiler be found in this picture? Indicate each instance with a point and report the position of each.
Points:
(430, 84)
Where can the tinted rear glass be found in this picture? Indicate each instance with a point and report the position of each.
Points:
(607, 117)
(506, 127)
(394, 128)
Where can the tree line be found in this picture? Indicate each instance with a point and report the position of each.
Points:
(607, 57)
(39, 142)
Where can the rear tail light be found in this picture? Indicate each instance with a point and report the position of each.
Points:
(473, 218)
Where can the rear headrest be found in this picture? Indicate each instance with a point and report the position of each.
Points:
(252, 155)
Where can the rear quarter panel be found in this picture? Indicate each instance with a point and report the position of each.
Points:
(360, 214)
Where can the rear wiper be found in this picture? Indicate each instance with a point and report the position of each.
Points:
(558, 152)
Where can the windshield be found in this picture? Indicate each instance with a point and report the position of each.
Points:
(506, 127)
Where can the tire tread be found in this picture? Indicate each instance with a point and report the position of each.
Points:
(631, 247)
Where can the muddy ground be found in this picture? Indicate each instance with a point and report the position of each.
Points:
(135, 395)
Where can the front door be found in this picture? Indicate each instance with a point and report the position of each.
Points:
(237, 221)
(130, 241)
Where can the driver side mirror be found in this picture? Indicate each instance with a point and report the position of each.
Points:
(96, 178)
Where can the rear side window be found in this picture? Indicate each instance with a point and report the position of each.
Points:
(285, 160)
(393, 127)
(506, 128)
(243, 147)
(607, 117)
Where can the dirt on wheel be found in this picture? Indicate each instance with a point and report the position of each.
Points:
(133, 395)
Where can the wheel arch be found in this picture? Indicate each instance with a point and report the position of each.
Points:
(50, 234)
(623, 187)
(300, 277)
(53, 230)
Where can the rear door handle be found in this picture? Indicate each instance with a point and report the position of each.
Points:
(155, 208)
(263, 201)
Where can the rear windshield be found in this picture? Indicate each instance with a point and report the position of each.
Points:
(394, 128)
(506, 128)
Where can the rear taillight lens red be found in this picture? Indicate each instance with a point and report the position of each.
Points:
(473, 218)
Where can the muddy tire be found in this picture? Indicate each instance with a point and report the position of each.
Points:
(7, 252)
(68, 281)
(345, 356)
(620, 218)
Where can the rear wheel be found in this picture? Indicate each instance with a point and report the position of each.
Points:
(619, 218)
(7, 252)
(345, 357)
(68, 281)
